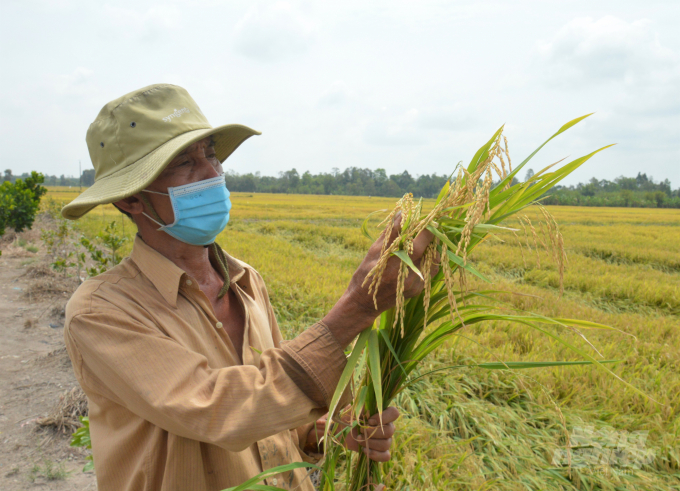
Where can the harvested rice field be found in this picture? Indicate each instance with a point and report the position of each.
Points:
(470, 428)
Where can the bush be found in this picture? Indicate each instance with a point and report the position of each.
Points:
(19, 202)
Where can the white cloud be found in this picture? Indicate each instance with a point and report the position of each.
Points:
(335, 95)
(144, 25)
(272, 32)
(587, 51)
(394, 130)
(630, 76)
(444, 119)
(74, 83)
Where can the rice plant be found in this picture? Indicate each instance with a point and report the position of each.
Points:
(468, 211)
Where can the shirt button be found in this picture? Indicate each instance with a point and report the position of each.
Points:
(275, 481)
(189, 282)
(218, 325)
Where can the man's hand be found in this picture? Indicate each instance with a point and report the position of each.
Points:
(355, 311)
(374, 440)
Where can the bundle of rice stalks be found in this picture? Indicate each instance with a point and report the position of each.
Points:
(469, 210)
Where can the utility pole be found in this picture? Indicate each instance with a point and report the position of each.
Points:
(80, 179)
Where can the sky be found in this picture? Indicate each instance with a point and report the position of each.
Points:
(400, 85)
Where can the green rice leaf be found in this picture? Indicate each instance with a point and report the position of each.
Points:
(483, 152)
(510, 365)
(374, 368)
(346, 375)
(456, 259)
(386, 338)
(403, 255)
(443, 192)
(451, 208)
(486, 227)
(364, 225)
(552, 178)
(459, 261)
(361, 400)
(252, 482)
(515, 365)
(589, 325)
(509, 177)
(585, 355)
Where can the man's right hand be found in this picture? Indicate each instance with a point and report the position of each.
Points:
(355, 311)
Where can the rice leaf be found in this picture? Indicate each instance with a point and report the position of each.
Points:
(466, 266)
(346, 375)
(456, 259)
(589, 325)
(361, 399)
(403, 255)
(451, 208)
(510, 176)
(585, 355)
(515, 365)
(364, 225)
(374, 368)
(545, 185)
(486, 227)
(252, 482)
(483, 152)
(510, 365)
(386, 338)
(443, 192)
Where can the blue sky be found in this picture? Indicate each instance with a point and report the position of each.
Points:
(402, 85)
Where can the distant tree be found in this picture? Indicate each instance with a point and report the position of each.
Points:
(404, 181)
(659, 197)
(62, 180)
(290, 180)
(8, 175)
(529, 175)
(88, 177)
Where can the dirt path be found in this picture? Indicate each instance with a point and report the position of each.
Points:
(35, 372)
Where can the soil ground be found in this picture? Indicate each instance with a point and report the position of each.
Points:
(36, 372)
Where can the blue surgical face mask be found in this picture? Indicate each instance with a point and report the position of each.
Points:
(201, 211)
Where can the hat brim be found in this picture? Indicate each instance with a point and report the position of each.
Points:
(137, 176)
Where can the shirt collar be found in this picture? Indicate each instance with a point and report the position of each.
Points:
(165, 275)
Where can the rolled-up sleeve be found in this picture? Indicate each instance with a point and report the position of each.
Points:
(155, 377)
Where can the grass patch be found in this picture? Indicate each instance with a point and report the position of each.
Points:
(48, 470)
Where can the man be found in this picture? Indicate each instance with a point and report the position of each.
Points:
(189, 383)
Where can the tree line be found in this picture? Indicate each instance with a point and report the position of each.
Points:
(86, 179)
(639, 191)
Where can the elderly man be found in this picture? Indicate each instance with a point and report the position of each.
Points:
(190, 385)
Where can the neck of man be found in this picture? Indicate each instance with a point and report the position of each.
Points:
(194, 260)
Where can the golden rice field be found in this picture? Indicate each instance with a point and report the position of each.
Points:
(470, 428)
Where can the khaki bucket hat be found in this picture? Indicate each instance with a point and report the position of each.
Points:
(136, 136)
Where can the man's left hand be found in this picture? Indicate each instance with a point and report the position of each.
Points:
(374, 440)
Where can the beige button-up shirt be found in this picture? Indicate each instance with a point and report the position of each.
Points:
(171, 406)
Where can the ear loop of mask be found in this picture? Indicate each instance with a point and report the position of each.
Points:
(220, 257)
(159, 221)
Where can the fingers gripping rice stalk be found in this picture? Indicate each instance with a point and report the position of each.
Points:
(467, 211)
